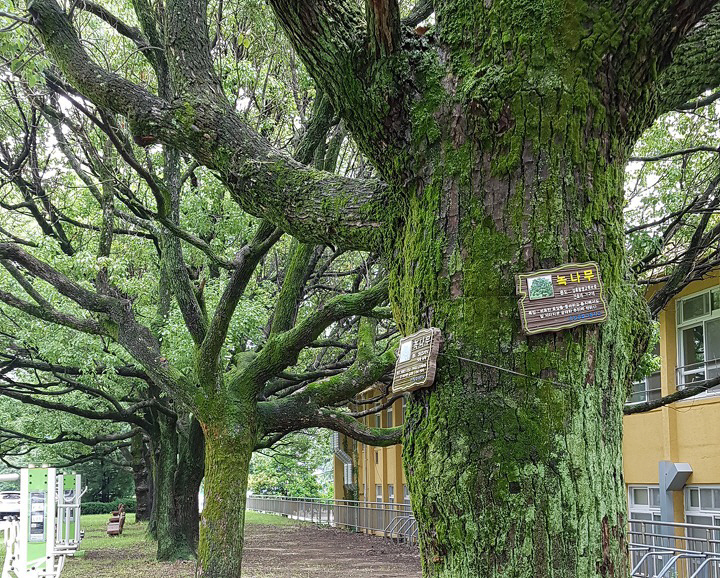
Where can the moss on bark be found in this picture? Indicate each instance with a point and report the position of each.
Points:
(227, 461)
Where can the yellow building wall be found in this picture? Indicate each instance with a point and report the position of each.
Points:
(686, 431)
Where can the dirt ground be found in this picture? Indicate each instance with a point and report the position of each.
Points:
(275, 547)
(310, 551)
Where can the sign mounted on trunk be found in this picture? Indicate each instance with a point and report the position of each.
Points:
(417, 360)
(560, 298)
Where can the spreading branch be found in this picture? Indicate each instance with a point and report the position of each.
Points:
(312, 205)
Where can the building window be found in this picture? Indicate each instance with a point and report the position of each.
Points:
(702, 498)
(391, 493)
(406, 495)
(390, 416)
(644, 506)
(698, 336)
(647, 389)
(377, 457)
(702, 507)
(378, 419)
(378, 493)
(643, 500)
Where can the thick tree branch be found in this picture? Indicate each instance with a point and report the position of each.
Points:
(292, 289)
(134, 337)
(690, 390)
(340, 421)
(422, 10)
(25, 363)
(245, 263)
(87, 299)
(67, 437)
(282, 351)
(699, 102)
(108, 415)
(692, 71)
(88, 326)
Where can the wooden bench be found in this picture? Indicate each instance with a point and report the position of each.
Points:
(117, 521)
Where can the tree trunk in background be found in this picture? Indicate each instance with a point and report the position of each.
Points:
(189, 475)
(143, 479)
(172, 542)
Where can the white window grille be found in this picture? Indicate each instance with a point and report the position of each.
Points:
(391, 493)
(378, 493)
(702, 507)
(644, 507)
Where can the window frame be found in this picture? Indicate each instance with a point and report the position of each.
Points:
(681, 325)
(648, 393)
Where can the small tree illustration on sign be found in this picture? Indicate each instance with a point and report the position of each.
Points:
(541, 287)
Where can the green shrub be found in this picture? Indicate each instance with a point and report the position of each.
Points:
(107, 507)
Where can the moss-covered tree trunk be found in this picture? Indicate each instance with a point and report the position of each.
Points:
(227, 463)
(172, 542)
(517, 476)
(500, 135)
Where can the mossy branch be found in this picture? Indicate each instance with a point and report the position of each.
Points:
(245, 264)
(282, 350)
(292, 288)
(693, 70)
(312, 205)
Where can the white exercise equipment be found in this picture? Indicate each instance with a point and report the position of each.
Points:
(48, 527)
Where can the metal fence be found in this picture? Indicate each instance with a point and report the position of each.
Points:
(673, 550)
(395, 521)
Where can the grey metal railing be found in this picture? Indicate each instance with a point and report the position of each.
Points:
(395, 521)
(672, 550)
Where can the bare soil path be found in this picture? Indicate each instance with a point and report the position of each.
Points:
(316, 551)
(275, 547)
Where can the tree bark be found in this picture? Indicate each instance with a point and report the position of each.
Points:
(172, 542)
(502, 136)
(517, 476)
(227, 462)
(142, 474)
(190, 473)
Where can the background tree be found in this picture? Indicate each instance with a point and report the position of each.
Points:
(672, 214)
(197, 318)
(300, 465)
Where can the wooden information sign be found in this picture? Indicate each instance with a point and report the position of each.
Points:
(417, 360)
(560, 298)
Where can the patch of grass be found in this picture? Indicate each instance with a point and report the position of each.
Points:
(131, 555)
(258, 519)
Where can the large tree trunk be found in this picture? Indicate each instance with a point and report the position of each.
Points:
(517, 476)
(227, 463)
(189, 476)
